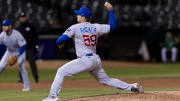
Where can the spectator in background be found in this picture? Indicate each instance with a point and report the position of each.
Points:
(169, 45)
(178, 44)
(29, 33)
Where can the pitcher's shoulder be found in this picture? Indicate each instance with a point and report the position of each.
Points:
(75, 25)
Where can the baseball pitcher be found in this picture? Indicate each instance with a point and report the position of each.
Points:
(85, 36)
(15, 52)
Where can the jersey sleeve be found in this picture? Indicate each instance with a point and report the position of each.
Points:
(20, 39)
(103, 29)
(70, 31)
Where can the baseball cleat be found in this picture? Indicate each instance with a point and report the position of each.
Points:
(137, 88)
(25, 89)
(51, 99)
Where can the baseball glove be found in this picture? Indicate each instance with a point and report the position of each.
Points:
(12, 60)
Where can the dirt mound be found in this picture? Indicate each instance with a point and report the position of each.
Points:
(149, 96)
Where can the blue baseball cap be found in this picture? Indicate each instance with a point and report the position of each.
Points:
(6, 22)
(86, 12)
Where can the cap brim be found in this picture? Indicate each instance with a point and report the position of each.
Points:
(76, 12)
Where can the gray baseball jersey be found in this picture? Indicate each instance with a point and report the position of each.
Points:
(85, 36)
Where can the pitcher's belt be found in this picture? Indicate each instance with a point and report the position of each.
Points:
(89, 54)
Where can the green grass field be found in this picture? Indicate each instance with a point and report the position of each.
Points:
(162, 70)
(10, 75)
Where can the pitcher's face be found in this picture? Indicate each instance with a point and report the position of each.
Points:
(81, 18)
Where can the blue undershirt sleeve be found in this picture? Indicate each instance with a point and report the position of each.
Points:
(112, 20)
(21, 50)
(62, 39)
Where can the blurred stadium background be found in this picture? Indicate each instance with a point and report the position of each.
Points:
(138, 22)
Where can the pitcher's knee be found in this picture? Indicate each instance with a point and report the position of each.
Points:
(61, 72)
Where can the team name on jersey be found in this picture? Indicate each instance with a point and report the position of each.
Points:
(88, 30)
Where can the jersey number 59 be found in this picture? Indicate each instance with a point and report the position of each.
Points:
(89, 40)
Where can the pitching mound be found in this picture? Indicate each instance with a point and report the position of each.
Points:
(149, 96)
